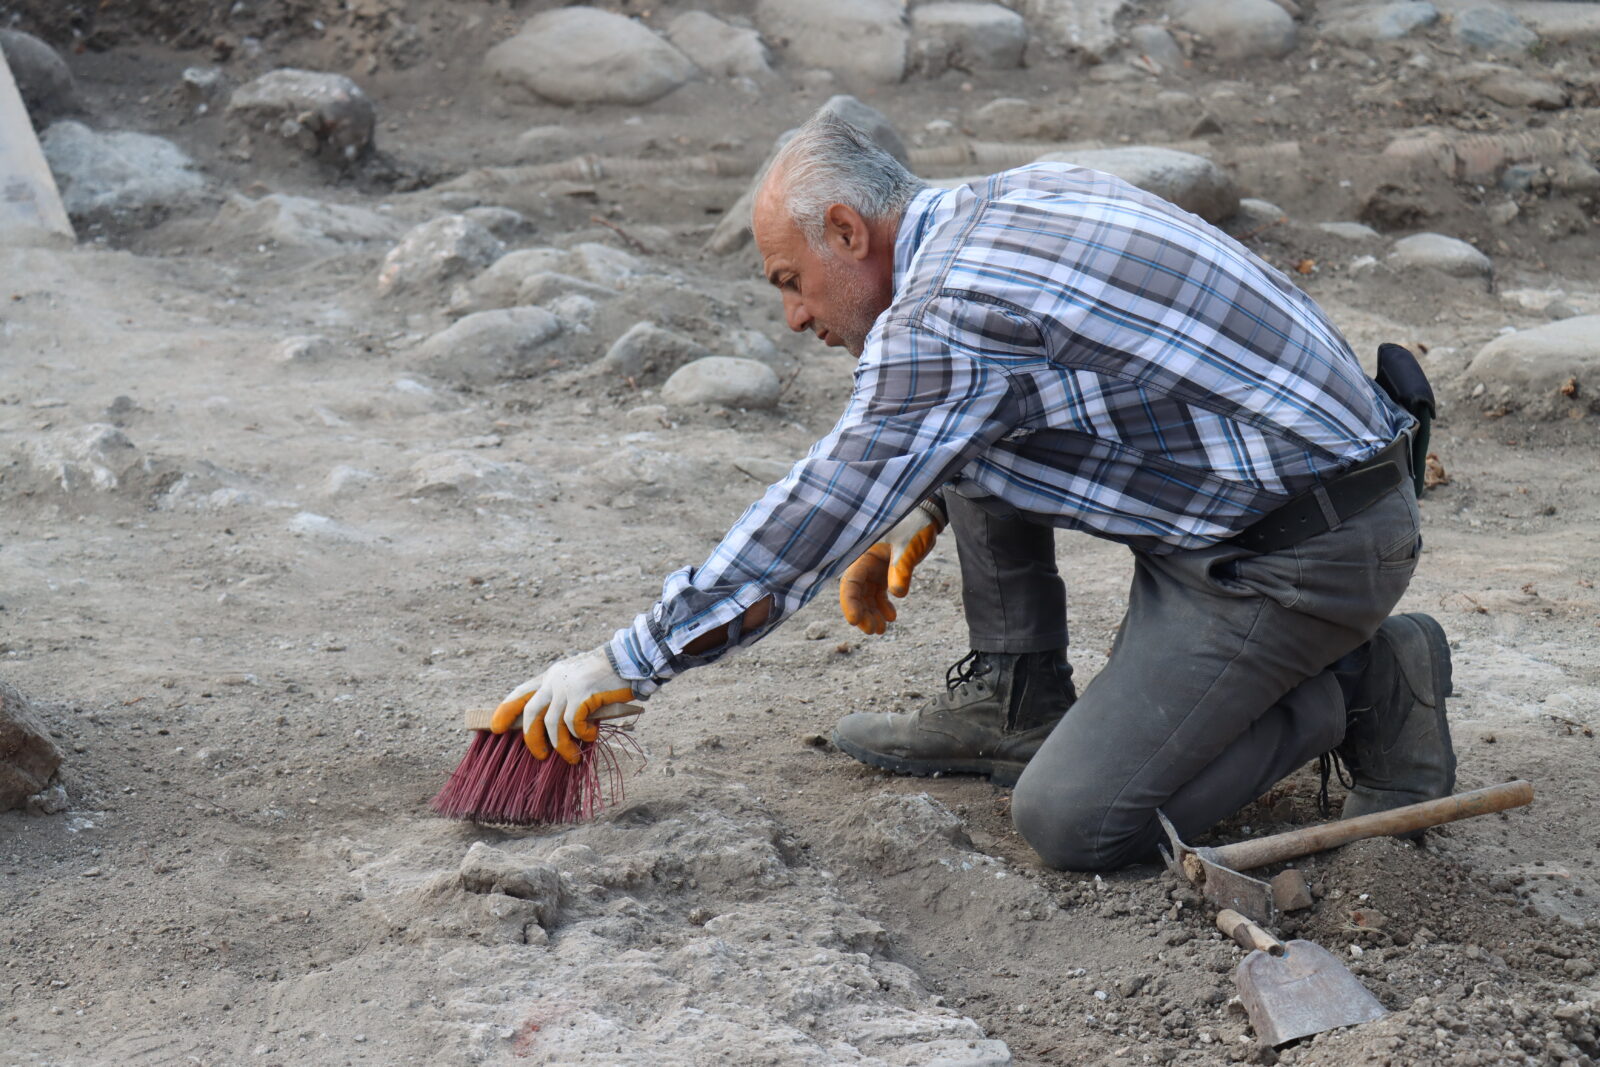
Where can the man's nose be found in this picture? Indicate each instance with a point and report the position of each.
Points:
(795, 312)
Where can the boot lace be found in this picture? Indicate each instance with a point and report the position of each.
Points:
(965, 669)
(1328, 764)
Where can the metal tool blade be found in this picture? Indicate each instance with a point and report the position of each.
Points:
(1305, 991)
(1219, 884)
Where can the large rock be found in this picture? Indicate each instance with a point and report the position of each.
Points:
(300, 222)
(490, 346)
(578, 55)
(119, 174)
(41, 75)
(1085, 27)
(1239, 29)
(27, 755)
(718, 48)
(1549, 365)
(435, 252)
(648, 352)
(968, 36)
(1493, 28)
(863, 40)
(1192, 182)
(1363, 26)
(320, 114)
(1438, 252)
(723, 380)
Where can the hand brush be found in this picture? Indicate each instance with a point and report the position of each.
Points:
(499, 780)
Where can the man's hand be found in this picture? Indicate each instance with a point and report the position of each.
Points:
(886, 568)
(556, 705)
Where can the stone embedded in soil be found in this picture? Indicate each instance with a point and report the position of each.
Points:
(1492, 28)
(580, 55)
(42, 76)
(861, 40)
(753, 344)
(1349, 231)
(97, 458)
(552, 285)
(968, 36)
(605, 265)
(1239, 29)
(299, 222)
(1513, 88)
(1540, 362)
(649, 350)
(1437, 252)
(1011, 118)
(490, 870)
(1193, 182)
(1255, 214)
(1156, 44)
(312, 348)
(490, 346)
(503, 222)
(27, 755)
(436, 252)
(497, 286)
(717, 47)
(320, 114)
(1086, 28)
(1363, 26)
(314, 527)
(459, 471)
(119, 174)
(724, 380)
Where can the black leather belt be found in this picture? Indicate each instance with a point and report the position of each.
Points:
(1332, 502)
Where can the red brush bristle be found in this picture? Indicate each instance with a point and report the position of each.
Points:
(500, 781)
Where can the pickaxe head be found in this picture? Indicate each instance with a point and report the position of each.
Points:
(1221, 885)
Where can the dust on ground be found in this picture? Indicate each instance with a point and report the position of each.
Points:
(255, 637)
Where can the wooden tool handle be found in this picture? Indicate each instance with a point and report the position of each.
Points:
(479, 718)
(1245, 855)
(1247, 933)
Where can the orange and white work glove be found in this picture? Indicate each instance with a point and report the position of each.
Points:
(555, 707)
(886, 568)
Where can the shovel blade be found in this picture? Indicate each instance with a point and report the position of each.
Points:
(1303, 992)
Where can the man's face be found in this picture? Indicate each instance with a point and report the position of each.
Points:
(837, 293)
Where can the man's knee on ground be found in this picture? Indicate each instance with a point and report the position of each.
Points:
(1067, 833)
(1062, 832)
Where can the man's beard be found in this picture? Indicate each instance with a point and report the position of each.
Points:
(857, 307)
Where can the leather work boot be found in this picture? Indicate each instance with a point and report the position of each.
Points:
(995, 713)
(1397, 741)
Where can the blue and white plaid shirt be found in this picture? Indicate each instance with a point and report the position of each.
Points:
(1085, 351)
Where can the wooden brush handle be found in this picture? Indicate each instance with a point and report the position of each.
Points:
(479, 718)
(1247, 855)
(1246, 933)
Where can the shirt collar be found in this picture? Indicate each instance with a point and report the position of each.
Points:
(914, 225)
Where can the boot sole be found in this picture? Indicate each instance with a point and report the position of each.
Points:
(1000, 772)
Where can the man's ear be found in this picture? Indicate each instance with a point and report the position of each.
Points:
(847, 231)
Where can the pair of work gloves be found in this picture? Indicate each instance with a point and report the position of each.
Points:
(555, 706)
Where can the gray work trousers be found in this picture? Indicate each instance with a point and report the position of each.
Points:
(1219, 682)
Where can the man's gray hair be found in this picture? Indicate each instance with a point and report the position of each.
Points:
(828, 161)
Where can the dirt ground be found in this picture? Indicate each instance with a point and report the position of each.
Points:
(255, 645)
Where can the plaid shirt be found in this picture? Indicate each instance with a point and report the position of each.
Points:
(1082, 350)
